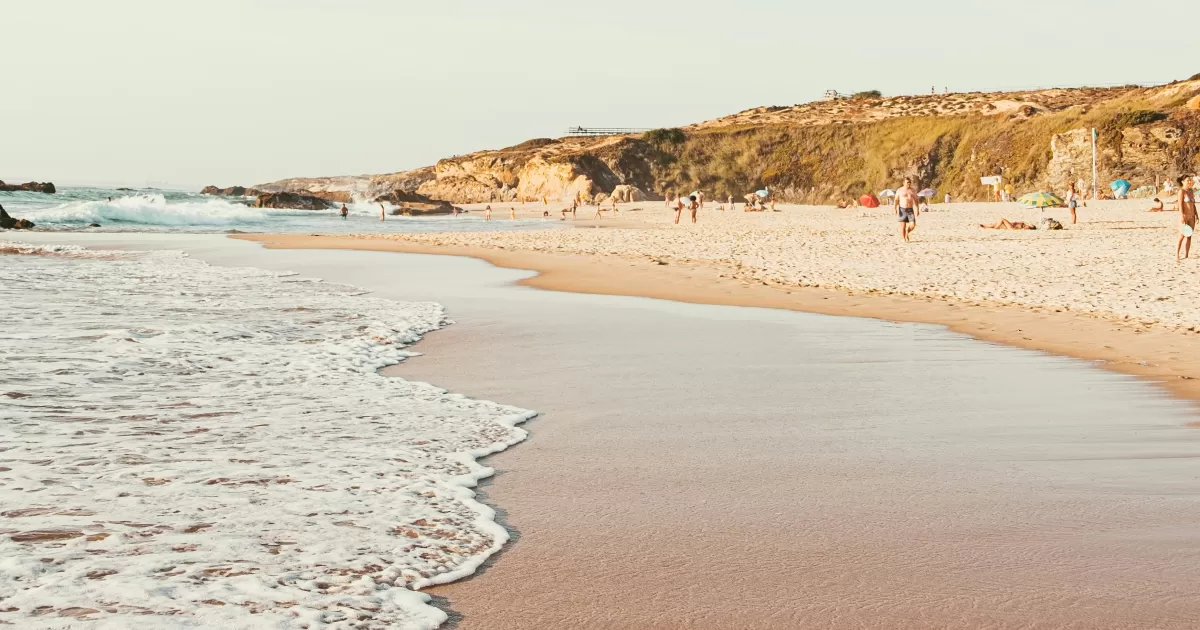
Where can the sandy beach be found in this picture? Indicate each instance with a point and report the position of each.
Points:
(1107, 289)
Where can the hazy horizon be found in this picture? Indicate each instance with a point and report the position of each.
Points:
(227, 93)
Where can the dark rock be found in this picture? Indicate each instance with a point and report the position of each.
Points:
(9, 223)
(291, 201)
(409, 203)
(94, 225)
(42, 187)
(232, 191)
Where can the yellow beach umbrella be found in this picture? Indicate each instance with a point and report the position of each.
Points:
(1040, 200)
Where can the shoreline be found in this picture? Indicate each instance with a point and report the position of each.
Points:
(1131, 348)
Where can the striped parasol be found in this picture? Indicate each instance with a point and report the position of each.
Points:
(1040, 199)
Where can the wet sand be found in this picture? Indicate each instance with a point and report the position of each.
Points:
(718, 467)
(1165, 356)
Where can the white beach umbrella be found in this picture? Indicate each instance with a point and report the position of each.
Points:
(887, 193)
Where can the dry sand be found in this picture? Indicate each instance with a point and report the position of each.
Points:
(1107, 289)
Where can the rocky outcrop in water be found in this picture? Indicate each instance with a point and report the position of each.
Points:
(9, 223)
(41, 187)
(414, 204)
(232, 191)
(291, 201)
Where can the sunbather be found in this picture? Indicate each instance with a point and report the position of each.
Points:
(1005, 224)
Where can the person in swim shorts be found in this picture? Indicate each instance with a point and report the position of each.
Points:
(906, 209)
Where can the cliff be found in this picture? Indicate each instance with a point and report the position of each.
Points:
(829, 150)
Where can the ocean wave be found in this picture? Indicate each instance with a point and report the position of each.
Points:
(190, 446)
(156, 210)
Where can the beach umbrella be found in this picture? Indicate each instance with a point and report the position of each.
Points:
(763, 193)
(1120, 187)
(1040, 200)
(887, 193)
(928, 192)
(868, 201)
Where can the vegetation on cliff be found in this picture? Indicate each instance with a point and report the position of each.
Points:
(830, 150)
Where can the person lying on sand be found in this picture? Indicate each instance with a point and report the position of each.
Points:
(1005, 224)
(1158, 206)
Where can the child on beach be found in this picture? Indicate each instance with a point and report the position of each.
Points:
(512, 214)
(1187, 216)
(487, 213)
(1072, 202)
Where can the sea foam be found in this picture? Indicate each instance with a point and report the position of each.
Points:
(192, 446)
(156, 211)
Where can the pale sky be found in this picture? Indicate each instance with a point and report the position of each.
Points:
(247, 91)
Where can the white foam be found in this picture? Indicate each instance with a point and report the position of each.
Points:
(155, 210)
(213, 447)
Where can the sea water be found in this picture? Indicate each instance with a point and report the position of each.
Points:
(150, 210)
(192, 446)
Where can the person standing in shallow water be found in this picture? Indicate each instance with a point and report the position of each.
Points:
(345, 212)
(382, 213)
(487, 213)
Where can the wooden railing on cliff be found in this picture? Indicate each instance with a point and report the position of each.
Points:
(603, 131)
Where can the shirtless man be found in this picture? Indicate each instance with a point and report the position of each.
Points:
(905, 204)
(1187, 216)
(345, 212)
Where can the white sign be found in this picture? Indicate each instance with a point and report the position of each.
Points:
(994, 180)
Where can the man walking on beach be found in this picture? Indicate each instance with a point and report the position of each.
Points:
(906, 208)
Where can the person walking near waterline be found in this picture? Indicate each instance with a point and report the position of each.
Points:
(382, 213)
(906, 209)
(345, 212)
(487, 213)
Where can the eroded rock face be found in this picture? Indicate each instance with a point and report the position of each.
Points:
(1144, 154)
(41, 187)
(291, 201)
(627, 194)
(9, 223)
(345, 189)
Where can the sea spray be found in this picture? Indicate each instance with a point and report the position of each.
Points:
(190, 446)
